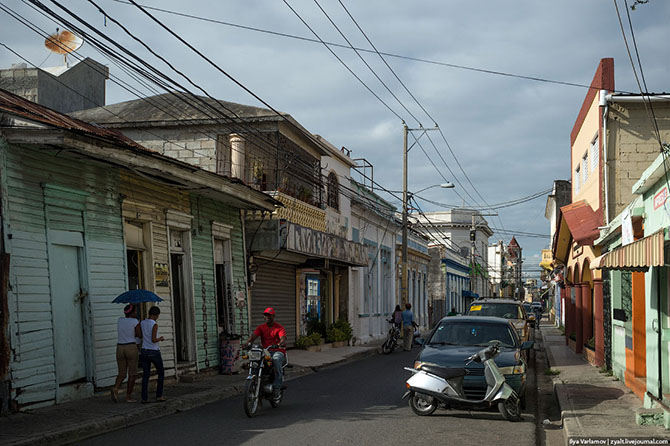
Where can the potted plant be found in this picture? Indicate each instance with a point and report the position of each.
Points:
(572, 340)
(310, 342)
(339, 333)
(590, 350)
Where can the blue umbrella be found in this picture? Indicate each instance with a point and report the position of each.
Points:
(136, 296)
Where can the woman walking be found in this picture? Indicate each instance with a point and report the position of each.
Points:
(128, 329)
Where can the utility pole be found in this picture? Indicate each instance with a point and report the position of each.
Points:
(403, 271)
(404, 280)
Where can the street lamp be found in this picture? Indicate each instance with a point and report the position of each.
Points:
(405, 196)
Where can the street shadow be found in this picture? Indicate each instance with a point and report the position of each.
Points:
(587, 395)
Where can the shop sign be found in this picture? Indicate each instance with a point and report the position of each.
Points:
(319, 244)
(660, 198)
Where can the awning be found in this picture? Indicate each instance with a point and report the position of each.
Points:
(582, 221)
(637, 256)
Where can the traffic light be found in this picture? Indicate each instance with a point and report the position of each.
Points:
(473, 235)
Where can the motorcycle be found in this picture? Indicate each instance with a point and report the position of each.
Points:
(392, 339)
(258, 385)
(432, 386)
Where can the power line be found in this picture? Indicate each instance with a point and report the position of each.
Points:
(367, 64)
(342, 62)
(398, 56)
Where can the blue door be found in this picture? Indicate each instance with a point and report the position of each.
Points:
(67, 297)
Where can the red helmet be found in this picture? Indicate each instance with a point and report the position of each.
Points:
(269, 310)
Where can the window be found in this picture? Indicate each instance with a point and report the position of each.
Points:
(594, 153)
(223, 155)
(577, 180)
(585, 168)
(333, 191)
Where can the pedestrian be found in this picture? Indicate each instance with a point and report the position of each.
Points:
(408, 326)
(397, 316)
(151, 354)
(452, 312)
(128, 330)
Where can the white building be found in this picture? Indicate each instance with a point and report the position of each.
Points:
(496, 263)
(372, 289)
(452, 228)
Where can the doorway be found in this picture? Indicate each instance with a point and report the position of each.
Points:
(182, 297)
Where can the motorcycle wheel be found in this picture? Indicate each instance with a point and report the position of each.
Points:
(387, 346)
(510, 409)
(275, 402)
(251, 401)
(421, 404)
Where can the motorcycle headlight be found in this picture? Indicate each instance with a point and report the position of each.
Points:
(255, 355)
(513, 370)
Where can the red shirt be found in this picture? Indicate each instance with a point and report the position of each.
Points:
(270, 334)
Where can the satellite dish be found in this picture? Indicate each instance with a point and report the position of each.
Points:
(63, 42)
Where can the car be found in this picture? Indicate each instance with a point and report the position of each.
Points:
(455, 339)
(505, 308)
(530, 314)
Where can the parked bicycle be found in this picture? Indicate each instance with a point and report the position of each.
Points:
(392, 339)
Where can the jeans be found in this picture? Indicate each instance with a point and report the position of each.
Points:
(148, 357)
(278, 361)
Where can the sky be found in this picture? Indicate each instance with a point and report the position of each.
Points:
(510, 135)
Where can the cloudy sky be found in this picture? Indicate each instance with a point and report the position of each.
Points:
(510, 134)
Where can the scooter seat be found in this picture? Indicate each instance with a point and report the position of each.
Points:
(444, 372)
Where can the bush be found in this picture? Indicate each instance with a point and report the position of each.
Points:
(308, 340)
(591, 343)
(334, 334)
(314, 326)
(573, 336)
(345, 327)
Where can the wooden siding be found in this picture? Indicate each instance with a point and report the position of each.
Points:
(24, 172)
(205, 211)
(158, 198)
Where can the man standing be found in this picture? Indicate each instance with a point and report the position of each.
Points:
(271, 333)
(408, 325)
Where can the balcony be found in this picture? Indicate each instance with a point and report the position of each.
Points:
(298, 212)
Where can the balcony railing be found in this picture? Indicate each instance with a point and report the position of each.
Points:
(298, 212)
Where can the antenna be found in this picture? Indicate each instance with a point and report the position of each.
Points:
(63, 42)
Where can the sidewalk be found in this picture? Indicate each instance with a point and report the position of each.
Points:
(592, 404)
(73, 421)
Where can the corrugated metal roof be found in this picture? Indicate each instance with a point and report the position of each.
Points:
(636, 256)
(582, 222)
(16, 105)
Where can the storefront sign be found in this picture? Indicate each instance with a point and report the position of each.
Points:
(660, 198)
(319, 244)
(162, 274)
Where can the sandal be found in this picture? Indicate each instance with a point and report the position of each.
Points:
(114, 395)
(130, 400)
(161, 399)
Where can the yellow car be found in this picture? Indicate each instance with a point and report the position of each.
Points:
(504, 308)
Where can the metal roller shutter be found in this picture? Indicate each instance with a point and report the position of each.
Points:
(275, 287)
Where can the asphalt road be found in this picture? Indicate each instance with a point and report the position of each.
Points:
(358, 403)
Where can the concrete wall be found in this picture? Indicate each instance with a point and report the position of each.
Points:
(78, 87)
(631, 147)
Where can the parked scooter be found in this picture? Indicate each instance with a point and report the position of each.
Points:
(259, 381)
(432, 386)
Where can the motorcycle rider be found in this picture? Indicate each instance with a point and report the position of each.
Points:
(272, 333)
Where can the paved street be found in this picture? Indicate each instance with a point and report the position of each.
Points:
(356, 403)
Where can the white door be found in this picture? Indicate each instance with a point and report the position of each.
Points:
(67, 300)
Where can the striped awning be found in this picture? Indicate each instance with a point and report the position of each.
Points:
(637, 256)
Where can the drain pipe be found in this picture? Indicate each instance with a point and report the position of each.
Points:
(603, 103)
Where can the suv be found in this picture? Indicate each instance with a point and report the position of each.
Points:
(504, 308)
